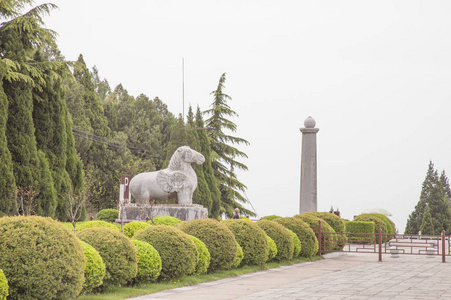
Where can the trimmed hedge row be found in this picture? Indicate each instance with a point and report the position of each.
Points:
(377, 221)
(219, 240)
(177, 250)
(96, 223)
(252, 240)
(28, 248)
(362, 228)
(239, 257)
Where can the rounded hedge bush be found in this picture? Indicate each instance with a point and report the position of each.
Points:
(203, 256)
(304, 233)
(149, 262)
(239, 257)
(272, 249)
(391, 228)
(95, 268)
(252, 240)
(165, 220)
(329, 241)
(297, 246)
(218, 238)
(41, 258)
(177, 251)
(281, 237)
(132, 227)
(3, 286)
(108, 215)
(117, 251)
(89, 224)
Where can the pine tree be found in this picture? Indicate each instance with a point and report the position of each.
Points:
(427, 227)
(433, 195)
(224, 160)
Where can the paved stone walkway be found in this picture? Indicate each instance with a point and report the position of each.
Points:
(339, 276)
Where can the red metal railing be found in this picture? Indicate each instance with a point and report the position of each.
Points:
(397, 244)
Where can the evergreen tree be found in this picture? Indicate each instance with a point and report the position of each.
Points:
(202, 193)
(20, 38)
(224, 160)
(204, 146)
(427, 227)
(7, 181)
(432, 195)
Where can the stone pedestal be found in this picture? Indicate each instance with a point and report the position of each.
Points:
(308, 198)
(140, 212)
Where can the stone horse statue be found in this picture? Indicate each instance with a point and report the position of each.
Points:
(179, 178)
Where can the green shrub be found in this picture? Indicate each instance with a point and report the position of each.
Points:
(329, 241)
(149, 262)
(89, 224)
(41, 258)
(271, 217)
(108, 215)
(117, 251)
(252, 240)
(281, 237)
(203, 256)
(132, 227)
(337, 223)
(358, 230)
(304, 233)
(391, 228)
(297, 246)
(219, 240)
(95, 268)
(272, 249)
(3, 286)
(239, 257)
(177, 251)
(165, 220)
(379, 223)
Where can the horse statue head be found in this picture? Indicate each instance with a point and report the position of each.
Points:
(185, 155)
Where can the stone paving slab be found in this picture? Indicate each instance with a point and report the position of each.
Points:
(338, 276)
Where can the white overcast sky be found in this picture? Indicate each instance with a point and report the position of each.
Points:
(375, 75)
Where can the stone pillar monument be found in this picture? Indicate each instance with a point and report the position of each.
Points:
(308, 200)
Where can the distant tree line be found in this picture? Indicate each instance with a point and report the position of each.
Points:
(64, 131)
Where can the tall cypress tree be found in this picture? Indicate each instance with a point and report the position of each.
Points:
(202, 193)
(7, 181)
(433, 195)
(225, 160)
(204, 147)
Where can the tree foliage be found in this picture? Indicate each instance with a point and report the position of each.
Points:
(225, 157)
(435, 194)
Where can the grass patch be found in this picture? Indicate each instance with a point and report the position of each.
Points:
(117, 293)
